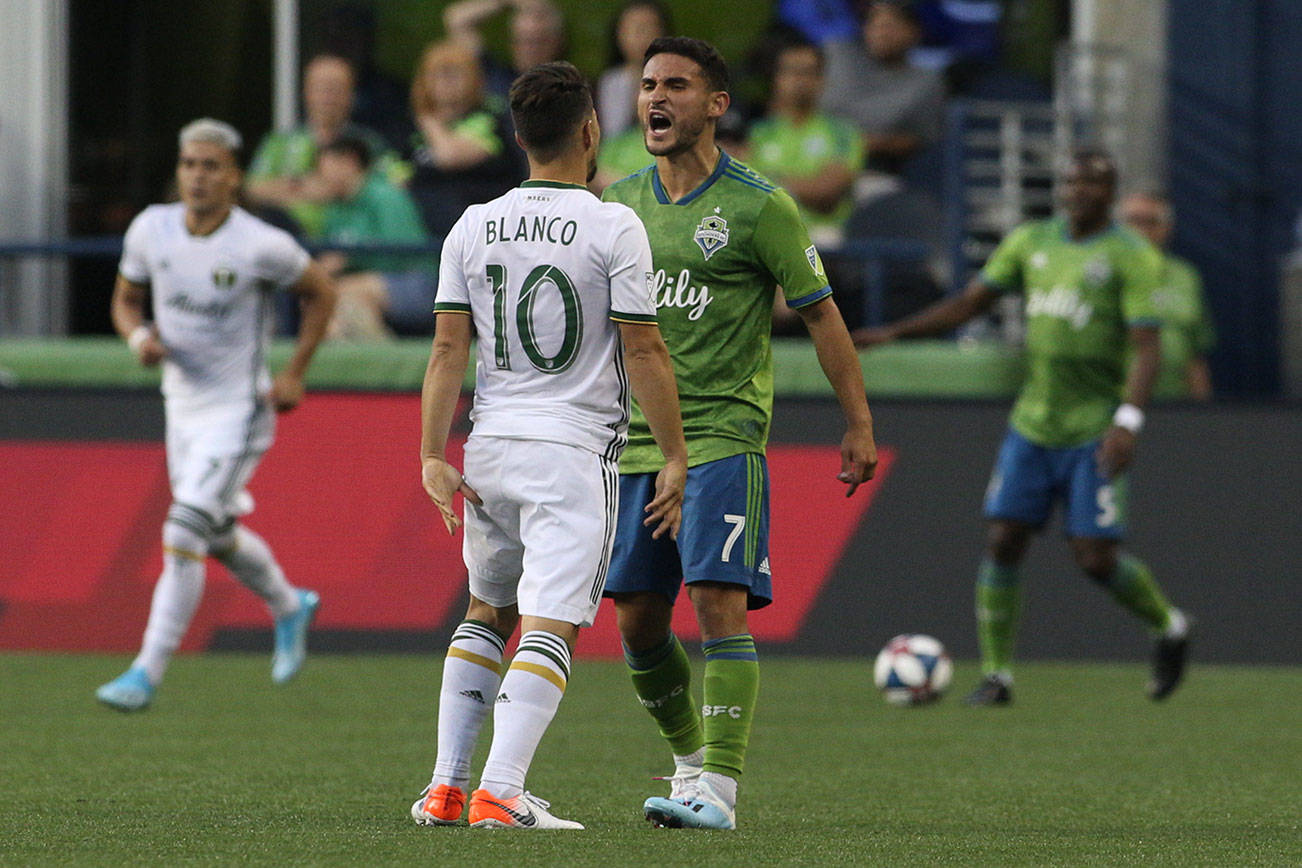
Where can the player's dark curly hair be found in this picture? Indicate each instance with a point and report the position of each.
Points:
(706, 56)
(547, 103)
(353, 145)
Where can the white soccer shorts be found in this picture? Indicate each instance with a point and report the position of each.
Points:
(212, 453)
(542, 538)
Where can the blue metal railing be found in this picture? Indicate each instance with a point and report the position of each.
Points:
(874, 254)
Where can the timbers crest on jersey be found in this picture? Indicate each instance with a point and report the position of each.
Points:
(223, 277)
(712, 234)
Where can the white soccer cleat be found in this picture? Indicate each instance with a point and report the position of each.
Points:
(525, 811)
(700, 808)
(683, 781)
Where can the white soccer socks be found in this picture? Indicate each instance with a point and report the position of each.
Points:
(472, 674)
(176, 596)
(526, 704)
(250, 560)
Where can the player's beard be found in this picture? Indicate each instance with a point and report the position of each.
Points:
(687, 134)
(592, 166)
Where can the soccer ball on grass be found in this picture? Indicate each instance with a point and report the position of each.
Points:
(912, 669)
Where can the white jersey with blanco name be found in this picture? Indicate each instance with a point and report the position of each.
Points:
(212, 297)
(547, 271)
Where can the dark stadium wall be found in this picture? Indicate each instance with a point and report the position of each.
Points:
(339, 498)
(1236, 170)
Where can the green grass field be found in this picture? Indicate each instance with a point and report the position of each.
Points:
(225, 768)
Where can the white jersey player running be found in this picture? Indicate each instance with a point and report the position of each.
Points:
(555, 284)
(212, 269)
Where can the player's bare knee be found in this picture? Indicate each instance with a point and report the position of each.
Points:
(720, 608)
(643, 619)
(1006, 542)
(502, 620)
(1097, 558)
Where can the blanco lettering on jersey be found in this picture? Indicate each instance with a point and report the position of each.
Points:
(680, 294)
(1063, 302)
(555, 230)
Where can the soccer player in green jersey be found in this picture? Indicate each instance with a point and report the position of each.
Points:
(722, 238)
(1088, 286)
(1187, 331)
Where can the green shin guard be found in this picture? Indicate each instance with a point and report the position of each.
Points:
(731, 687)
(1133, 586)
(662, 678)
(998, 607)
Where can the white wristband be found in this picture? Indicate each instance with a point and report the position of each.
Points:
(138, 336)
(1130, 417)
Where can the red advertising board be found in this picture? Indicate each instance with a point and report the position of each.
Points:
(339, 499)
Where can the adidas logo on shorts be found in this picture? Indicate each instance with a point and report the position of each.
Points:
(473, 694)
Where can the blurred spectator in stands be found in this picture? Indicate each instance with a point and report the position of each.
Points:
(537, 36)
(377, 291)
(636, 25)
(462, 151)
(820, 21)
(281, 172)
(958, 32)
(379, 99)
(1187, 331)
(811, 154)
(898, 106)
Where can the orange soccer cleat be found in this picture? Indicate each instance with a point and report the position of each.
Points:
(439, 806)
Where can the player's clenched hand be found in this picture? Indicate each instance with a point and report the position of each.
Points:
(286, 392)
(866, 338)
(665, 511)
(147, 346)
(858, 457)
(441, 481)
(1116, 451)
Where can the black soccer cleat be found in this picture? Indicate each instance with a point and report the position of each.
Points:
(1169, 656)
(991, 691)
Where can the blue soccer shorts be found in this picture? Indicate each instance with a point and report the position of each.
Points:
(1028, 479)
(724, 535)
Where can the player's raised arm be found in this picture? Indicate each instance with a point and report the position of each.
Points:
(128, 312)
(317, 296)
(935, 319)
(651, 376)
(840, 365)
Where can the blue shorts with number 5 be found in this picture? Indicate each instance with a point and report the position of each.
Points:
(1028, 479)
(724, 536)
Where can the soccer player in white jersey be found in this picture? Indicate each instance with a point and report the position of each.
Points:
(211, 269)
(556, 286)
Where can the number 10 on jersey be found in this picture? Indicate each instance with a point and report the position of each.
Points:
(525, 304)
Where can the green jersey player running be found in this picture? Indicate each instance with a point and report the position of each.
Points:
(722, 238)
(1088, 286)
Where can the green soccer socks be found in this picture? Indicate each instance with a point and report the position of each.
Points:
(731, 686)
(1133, 586)
(998, 606)
(662, 678)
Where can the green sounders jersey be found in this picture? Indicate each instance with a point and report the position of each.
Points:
(783, 148)
(1187, 331)
(717, 254)
(1081, 298)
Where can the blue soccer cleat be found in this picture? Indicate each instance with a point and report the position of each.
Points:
(291, 638)
(130, 691)
(698, 808)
